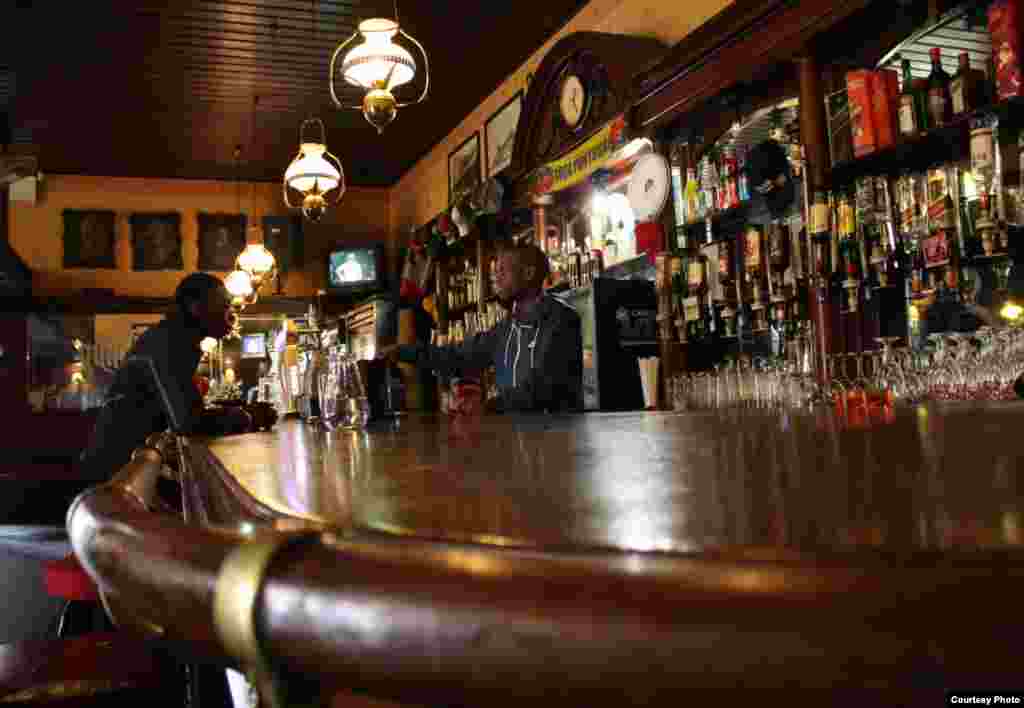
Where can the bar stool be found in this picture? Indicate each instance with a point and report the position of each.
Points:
(83, 612)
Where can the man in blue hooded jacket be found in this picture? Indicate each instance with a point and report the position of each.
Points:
(537, 351)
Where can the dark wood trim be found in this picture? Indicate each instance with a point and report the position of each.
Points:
(622, 57)
(106, 304)
(5, 235)
(727, 25)
(760, 33)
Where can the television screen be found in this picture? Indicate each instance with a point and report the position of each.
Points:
(254, 346)
(352, 267)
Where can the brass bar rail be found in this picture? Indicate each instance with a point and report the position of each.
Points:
(433, 623)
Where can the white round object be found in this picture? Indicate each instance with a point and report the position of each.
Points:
(649, 186)
(573, 101)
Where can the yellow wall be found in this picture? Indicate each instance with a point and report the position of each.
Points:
(422, 192)
(116, 330)
(36, 231)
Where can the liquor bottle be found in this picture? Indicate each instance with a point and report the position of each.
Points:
(919, 275)
(678, 196)
(694, 208)
(895, 258)
(910, 118)
(726, 269)
(743, 182)
(820, 236)
(734, 179)
(696, 280)
(724, 198)
(777, 241)
(983, 168)
(678, 296)
(710, 186)
(754, 269)
(967, 87)
(940, 106)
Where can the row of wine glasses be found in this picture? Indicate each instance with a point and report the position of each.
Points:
(747, 383)
(863, 388)
(343, 401)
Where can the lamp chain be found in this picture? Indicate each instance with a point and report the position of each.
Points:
(238, 177)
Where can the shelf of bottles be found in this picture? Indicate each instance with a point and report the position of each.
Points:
(924, 211)
(737, 274)
(573, 246)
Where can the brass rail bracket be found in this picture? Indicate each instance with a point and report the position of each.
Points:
(235, 598)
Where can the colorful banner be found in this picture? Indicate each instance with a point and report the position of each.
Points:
(576, 166)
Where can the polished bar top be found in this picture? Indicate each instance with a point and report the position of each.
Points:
(936, 478)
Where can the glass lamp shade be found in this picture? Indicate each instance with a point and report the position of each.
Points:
(311, 168)
(239, 284)
(208, 345)
(256, 260)
(369, 64)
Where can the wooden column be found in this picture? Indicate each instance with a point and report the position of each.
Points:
(813, 131)
(540, 219)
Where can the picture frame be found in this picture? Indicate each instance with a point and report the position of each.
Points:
(464, 169)
(282, 236)
(156, 241)
(500, 134)
(89, 238)
(221, 239)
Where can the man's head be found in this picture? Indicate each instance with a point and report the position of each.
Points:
(205, 302)
(519, 271)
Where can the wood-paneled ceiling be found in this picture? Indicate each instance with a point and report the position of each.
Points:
(168, 88)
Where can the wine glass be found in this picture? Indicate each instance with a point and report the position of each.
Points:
(837, 386)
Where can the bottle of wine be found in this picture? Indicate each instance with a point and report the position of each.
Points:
(910, 106)
(940, 105)
(966, 89)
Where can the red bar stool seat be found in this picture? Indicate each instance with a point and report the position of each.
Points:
(66, 579)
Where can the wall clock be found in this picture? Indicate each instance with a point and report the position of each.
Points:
(573, 101)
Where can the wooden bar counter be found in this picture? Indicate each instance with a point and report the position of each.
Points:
(607, 558)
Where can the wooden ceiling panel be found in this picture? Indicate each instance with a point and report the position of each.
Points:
(168, 88)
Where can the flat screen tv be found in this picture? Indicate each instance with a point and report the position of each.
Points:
(355, 268)
(254, 346)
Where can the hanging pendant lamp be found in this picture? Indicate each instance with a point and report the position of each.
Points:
(312, 175)
(379, 66)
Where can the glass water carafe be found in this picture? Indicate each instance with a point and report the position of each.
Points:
(352, 401)
(311, 388)
(343, 393)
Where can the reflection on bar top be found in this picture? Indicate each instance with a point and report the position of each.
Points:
(751, 483)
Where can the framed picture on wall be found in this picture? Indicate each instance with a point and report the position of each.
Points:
(156, 242)
(282, 235)
(500, 134)
(221, 239)
(89, 238)
(464, 168)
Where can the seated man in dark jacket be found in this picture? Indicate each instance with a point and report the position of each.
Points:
(164, 357)
(537, 351)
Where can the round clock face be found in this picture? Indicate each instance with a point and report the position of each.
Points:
(573, 101)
